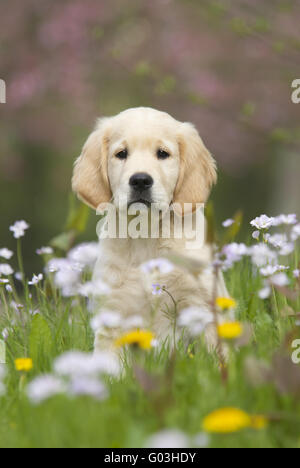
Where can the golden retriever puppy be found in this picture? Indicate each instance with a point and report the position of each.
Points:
(146, 157)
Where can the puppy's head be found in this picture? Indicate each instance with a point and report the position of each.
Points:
(143, 155)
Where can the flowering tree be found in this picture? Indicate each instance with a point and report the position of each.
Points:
(227, 66)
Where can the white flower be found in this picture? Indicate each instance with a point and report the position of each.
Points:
(265, 292)
(270, 270)
(262, 255)
(67, 275)
(160, 265)
(256, 234)
(44, 387)
(5, 333)
(5, 253)
(277, 240)
(285, 219)
(6, 269)
(19, 229)
(45, 251)
(8, 288)
(76, 363)
(132, 322)
(295, 234)
(287, 249)
(94, 288)
(19, 276)
(157, 289)
(107, 319)
(228, 223)
(36, 279)
(88, 386)
(85, 254)
(296, 273)
(168, 438)
(195, 319)
(262, 222)
(280, 279)
(4, 281)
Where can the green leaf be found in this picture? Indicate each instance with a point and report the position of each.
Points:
(63, 241)
(78, 216)
(40, 341)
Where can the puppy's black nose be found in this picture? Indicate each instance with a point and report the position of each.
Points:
(140, 181)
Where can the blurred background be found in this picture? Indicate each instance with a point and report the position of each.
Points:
(225, 65)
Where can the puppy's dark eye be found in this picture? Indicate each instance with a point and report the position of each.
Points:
(122, 154)
(161, 154)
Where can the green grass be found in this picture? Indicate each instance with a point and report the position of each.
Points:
(189, 389)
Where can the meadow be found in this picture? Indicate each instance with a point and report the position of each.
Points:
(56, 393)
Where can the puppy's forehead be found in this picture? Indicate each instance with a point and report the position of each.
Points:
(143, 125)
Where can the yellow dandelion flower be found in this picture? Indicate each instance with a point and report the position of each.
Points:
(23, 364)
(259, 422)
(225, 303)
(230, 330)
(141, 338)
(226, 420)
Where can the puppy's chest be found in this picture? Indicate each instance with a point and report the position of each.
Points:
(119, 262)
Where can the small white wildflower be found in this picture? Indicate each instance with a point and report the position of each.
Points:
(8, 288)
(87, 386)
(107, 319)
(45, 251)
(133, 322)
(157, 289)
(160, 265)
(195, 319)
(255, 235)
(262, 255)
(262, 222)
(5, 333)
(295, 234)
(280, 279)
(287, 249)
(76, 363)
(233, 252)
(44, 387)
(4, 281)
(277, 240)
(6, 253)
(19, 229)
(6, 269)
(270, 270)
(36, 279)
(265, 292)
(85, 254)
(296, 273)
(19, 276)
(94, 288)
(168, 438)
(228, 223)
(285, 219)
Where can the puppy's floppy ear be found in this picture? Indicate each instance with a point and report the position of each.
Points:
(90, 179)
(197, 168)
